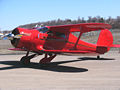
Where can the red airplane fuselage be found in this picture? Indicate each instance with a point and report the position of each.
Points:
(34, 39)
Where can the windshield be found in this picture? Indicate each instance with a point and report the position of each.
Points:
(43, 29)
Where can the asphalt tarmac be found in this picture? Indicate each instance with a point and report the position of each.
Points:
(63, 73)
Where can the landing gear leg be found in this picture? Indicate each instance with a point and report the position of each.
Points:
(47, 59)
(26, 59)
(98, 57)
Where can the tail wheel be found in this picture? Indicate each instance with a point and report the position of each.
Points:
(98, 57)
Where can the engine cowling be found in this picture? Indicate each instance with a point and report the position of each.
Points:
(15, 41)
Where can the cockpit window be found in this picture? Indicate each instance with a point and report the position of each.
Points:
(43, 29)
(58, 34)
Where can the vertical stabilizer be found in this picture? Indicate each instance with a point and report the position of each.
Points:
(105, 38)
(104, 42)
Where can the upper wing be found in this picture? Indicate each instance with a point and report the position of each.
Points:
(83, 27)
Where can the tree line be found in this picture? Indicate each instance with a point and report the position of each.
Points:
(114, 22)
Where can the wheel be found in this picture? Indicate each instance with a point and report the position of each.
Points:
(98, 57)
(25, 60)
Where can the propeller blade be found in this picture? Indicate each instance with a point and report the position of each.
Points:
(11, 36)
(18, 36)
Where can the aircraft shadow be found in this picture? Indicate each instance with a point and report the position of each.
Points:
(92, 58)
(53, 66)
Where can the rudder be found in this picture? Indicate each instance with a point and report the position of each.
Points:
(104, 42)
(105, 38)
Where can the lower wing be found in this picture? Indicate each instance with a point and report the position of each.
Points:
(55, 51)
(66, 51)
(17, 49)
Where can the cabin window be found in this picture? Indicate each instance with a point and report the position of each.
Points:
(90, 37)
(43, 29)
(58, 34)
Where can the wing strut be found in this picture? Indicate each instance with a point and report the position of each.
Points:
(77, 40)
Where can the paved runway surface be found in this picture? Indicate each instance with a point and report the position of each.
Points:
(64, 73)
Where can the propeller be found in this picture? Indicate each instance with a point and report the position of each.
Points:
(11, 36)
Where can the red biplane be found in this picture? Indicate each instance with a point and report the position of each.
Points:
(53, 40)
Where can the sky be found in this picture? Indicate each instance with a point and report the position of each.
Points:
(19, 12)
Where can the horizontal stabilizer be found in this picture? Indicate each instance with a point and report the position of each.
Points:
(115, 45)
